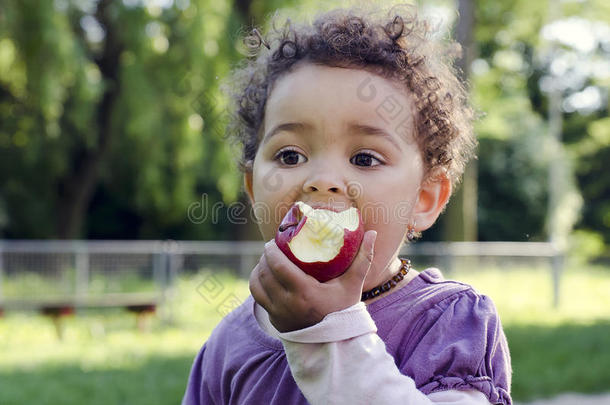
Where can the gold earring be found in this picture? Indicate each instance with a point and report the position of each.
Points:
(411, 232)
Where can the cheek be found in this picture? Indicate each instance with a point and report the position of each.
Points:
(274, 193)
(267, 181)
(381, 215)
(402, 212)
(389, 205)
(390, 233)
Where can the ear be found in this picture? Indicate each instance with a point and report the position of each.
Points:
(433, 196)
(248, 183)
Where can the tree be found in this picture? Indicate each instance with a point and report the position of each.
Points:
(511, 81)
(460, 220)
(113, 103)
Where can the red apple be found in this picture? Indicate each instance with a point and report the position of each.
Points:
(321, 242)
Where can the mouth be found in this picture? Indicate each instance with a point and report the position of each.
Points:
(329, 207)
(296, 217)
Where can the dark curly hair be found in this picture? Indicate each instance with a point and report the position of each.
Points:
(396, 45)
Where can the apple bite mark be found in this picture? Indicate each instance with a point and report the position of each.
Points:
(322, 238)
(322, 242)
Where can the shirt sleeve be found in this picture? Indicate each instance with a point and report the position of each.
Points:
(343, 360)
(462, 344)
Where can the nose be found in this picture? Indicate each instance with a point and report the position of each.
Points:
(323, 179)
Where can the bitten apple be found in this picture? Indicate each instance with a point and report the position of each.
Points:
(321, 242)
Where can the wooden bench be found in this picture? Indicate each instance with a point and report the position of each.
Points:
(143, 305)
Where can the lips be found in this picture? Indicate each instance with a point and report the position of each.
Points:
(324, 206)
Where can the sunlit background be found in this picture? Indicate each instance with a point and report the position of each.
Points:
(125, 234)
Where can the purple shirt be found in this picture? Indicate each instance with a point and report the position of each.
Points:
(441, 333)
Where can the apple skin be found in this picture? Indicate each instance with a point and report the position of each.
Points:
(291, 225)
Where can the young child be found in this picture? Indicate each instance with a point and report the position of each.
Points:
(359, 109)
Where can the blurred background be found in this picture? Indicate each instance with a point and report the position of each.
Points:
(125, 233)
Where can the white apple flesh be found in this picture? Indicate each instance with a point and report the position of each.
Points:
(323, 243)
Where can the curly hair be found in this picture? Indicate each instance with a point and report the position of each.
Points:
(396, 45)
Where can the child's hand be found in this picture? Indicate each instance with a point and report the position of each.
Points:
(296, 300)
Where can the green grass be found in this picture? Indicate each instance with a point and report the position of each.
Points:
(566, 357)
(105, 359)
(525, 296)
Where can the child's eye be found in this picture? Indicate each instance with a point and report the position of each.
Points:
(288, 157)
(365, 159)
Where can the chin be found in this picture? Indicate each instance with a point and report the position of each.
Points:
(321, 242)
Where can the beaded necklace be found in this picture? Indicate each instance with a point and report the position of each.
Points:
(391, 283)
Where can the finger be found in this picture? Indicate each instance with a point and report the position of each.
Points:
(256, 289)
(286, 272)
(273, 288)
(361, 265)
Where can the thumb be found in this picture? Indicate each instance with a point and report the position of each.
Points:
(362, 263)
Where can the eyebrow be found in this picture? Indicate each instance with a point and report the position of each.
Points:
(298, 127)
(355, 127)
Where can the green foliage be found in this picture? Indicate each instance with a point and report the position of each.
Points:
(515, 155)
(586, 245)
(119, 101)
(163, 144)
(503, 164)
(593, 154)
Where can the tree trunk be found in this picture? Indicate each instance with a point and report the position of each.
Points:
(460, 221)
(249, 230)
(76, 190)
(244, 7)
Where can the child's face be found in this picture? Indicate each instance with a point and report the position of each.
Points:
(326, 159)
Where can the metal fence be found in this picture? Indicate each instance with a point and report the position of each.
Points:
(113, 273)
